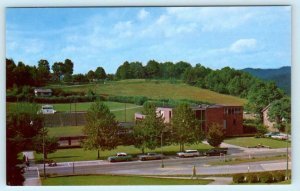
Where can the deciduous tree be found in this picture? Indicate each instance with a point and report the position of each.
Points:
(101, 129)
(148, 131)
(185, 128)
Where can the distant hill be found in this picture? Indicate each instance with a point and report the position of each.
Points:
(281, 76)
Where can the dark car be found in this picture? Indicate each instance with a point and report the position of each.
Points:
(216, 152)
(151, 156)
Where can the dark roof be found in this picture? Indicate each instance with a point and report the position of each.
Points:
(126, 124)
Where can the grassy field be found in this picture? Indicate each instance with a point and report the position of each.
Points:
(119, 180)
(116, 108)
(65, 131)
(239, 161)
(79, 154)
(157, 89)
(251, 141)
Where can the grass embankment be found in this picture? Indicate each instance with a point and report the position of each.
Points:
(66, 131)
(234, 161)
(118, 109)
(79, 154)
(119, 180)
(252, 141)
(158, 89)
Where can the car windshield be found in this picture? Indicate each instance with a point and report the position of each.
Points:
(190, 151)
(47, 107)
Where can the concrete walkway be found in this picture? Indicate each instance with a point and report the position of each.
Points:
(31, 175)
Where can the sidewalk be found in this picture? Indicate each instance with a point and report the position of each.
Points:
(31, 175)
(234, 149)
(216, 180)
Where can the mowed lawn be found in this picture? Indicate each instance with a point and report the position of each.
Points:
(65, 131)
(79, 154)
(158, 89)
(252, 141)
(118, 180)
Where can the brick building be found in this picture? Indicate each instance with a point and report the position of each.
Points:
(229, 117)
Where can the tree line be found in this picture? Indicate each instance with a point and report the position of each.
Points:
(21, 74)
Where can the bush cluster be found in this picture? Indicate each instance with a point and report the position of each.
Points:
(263, 177)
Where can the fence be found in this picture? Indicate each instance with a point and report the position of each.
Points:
(60, 119)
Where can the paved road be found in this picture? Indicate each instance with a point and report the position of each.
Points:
(172, 166)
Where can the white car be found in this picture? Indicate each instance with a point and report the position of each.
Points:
(47, 109)
(189, 153)
(280, 136)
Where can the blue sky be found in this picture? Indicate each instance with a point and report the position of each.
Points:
(239, 37)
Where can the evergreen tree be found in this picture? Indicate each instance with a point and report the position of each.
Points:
(215, 135)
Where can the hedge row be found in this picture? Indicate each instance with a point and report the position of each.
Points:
(262, 177)
(138, 100)
(67, 99)
(174, 103)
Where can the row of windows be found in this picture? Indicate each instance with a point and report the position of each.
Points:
(229, 111)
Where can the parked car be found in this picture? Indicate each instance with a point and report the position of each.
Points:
(150, 156)
(216, 152)
(281, 136)
(270, 134)
(120, 157)
(188, 153)
(47, 109)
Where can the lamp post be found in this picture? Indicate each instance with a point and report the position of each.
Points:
(31, 124)
(44, 152)
(161, 146)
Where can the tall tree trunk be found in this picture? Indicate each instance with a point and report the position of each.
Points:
(182, 146)
(143, 150)
(98, 154)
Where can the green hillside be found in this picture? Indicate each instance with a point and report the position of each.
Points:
(157, 89)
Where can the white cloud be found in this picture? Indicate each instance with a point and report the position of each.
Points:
(243, 45)
(143, 14)
(212, 18)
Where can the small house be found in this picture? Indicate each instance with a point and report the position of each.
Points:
(42, 92)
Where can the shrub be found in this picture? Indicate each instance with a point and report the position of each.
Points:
(252, 178)
(278, 176)
(265, 177)
(238, 178)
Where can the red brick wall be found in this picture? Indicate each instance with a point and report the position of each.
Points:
(234, 119)
(213, 115)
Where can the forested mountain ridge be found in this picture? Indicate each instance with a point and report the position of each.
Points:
(281, 76)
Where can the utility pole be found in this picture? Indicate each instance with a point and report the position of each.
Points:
(75, 114)
(125, 112)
